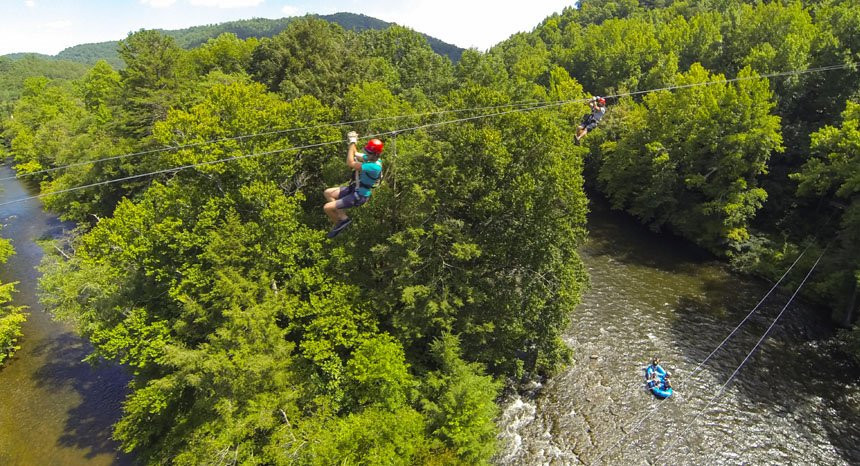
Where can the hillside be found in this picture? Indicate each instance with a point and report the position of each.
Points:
(257, 27)
(13, 72)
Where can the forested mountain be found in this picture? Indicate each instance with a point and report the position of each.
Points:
(13, 73)
(259, 27)
(250, 336)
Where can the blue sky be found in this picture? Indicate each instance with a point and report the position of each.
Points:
(48, 26)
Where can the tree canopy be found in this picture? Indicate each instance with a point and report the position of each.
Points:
(11, 317)
(254, 339)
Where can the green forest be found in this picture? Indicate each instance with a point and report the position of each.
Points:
(252, 337)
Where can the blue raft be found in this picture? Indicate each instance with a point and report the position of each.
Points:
(658, 388)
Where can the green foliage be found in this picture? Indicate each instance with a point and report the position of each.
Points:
(99, 89)
(378, 374)
(832, 174)
(47, 116)
(459, 404)
(368, 100)
(254, 340)
(615, 55)
(487, 70)
(526, 59)
(374, 436)
(225, 53)
(850, 342)
(704, 148)
(246, 341)
(14, 72)
(598, 11)
(11, 317)
(416, 64)
(471, 249)
(310, 57)
(155, 69)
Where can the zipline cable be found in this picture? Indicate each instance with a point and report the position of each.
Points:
(254, 135)
(669, 447)
(255, 154)
(740, 78)
(537, 107)
(440, 112)
(707, 358)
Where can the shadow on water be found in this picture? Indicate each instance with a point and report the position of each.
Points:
(101, 390)
(621, 237)
(796, 371)
(794, 402)
(55, 228)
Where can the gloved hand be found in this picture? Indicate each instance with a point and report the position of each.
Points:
(353, 137)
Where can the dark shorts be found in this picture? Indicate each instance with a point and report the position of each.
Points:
(347, 197)
(589, 122)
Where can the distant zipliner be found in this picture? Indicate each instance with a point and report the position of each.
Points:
(367, 169)
(589, 122)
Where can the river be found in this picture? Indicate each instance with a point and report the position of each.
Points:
(794, 402)
(54, 408)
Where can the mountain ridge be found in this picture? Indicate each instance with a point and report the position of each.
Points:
(194, 36)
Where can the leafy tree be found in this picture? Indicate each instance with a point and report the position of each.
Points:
(459, 404)
(527, 60)
(367, 102)
(47, 116)
(487, 70)
(373, 436)
(832, 173)
(155, 69)
(310, 57)
(776, 37)
(823, 96)
(14, 72)
(615, 55)
(690, 159)
(768, 37)
(11, 317)
(697, 40)
(379, 374)
(469, 250)
(226, 53)
(599, 11)
(213, 291)
(417, 65)
(100, 89)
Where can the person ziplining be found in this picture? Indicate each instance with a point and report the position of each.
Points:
(368, 169)
(598, 109)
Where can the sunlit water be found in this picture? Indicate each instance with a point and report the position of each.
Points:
(794, 402)
(54, 409)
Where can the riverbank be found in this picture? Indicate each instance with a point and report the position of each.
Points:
(55, 409)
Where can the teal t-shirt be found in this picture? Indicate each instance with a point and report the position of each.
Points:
(370, 173)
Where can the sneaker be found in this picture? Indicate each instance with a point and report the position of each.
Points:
(341, 225)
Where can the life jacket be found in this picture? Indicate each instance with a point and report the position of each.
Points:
(370, 173)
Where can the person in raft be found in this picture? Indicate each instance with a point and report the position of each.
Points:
(368, 170)
(598, 109)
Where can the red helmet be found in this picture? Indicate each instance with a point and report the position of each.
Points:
(601, 101)
(374, 146)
